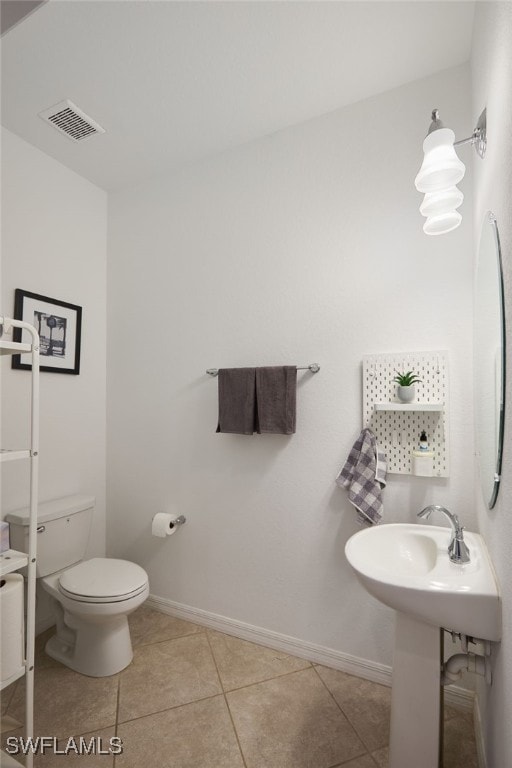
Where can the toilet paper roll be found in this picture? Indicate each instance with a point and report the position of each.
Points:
(12, 631)
(164, 524)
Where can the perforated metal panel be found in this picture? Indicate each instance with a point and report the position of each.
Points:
(397, 426)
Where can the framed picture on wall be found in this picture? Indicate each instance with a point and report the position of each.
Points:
(59, 326)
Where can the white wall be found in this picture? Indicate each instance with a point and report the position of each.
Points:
(54, 237)
(305, 246)
(492, 87)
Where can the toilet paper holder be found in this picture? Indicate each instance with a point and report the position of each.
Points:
(166, 524)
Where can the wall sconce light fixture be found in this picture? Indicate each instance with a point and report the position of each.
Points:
(441, 171)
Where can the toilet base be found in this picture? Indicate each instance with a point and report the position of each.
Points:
(92, 638)
(93, 649)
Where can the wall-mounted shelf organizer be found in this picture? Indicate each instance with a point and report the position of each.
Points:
(12, 560)
(397, 426)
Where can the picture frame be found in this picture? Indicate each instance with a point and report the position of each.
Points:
(59, 325)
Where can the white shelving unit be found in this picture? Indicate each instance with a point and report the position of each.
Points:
(10, 454)
(12, 560)
(397, 426)
(14, 347)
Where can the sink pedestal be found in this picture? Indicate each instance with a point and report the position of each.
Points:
(415, 695)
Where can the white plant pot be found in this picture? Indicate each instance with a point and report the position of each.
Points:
(406, 394)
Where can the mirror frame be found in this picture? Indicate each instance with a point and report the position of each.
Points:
(490, 218)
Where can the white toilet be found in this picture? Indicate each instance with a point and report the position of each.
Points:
(91, 598)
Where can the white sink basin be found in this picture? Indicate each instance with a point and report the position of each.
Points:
(406, 566)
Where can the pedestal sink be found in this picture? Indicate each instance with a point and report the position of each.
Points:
(406, 566)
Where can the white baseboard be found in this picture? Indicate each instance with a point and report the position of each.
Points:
(455, 696)
(479, 736)
(459, 698)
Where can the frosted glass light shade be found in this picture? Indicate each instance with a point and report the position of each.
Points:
(441, 167)
(436, 203)
(445, 222)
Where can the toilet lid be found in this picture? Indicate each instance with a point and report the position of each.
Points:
(103, 579)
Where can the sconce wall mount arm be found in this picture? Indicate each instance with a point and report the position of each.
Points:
(478, 138)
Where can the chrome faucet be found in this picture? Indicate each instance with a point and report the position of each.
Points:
(458, 551)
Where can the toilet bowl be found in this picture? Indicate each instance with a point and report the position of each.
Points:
(91, 599)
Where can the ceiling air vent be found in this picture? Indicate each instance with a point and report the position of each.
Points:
(67, 118)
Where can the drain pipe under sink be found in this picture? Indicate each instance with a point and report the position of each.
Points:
(459, 662)
(452, 669)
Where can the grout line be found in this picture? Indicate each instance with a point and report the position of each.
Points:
(117, 713)
(167, 639)
(235, 731)
(349, 721)
(226, 701)
(350, 759)
(14, 689)
(215, 663)
(92, 732)
(267, 679)
(169, 709)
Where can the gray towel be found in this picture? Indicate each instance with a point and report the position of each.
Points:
(276, 398)
(364, 475)
(237, 400)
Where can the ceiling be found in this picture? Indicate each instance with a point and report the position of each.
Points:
(176, 82)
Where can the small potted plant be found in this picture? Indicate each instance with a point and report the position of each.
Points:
(406, 390)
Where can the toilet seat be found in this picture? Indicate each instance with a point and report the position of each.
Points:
(103, 580)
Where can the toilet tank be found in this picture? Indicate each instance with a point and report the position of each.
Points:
(63, 527)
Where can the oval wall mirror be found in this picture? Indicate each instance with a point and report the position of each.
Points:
(489, 359)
